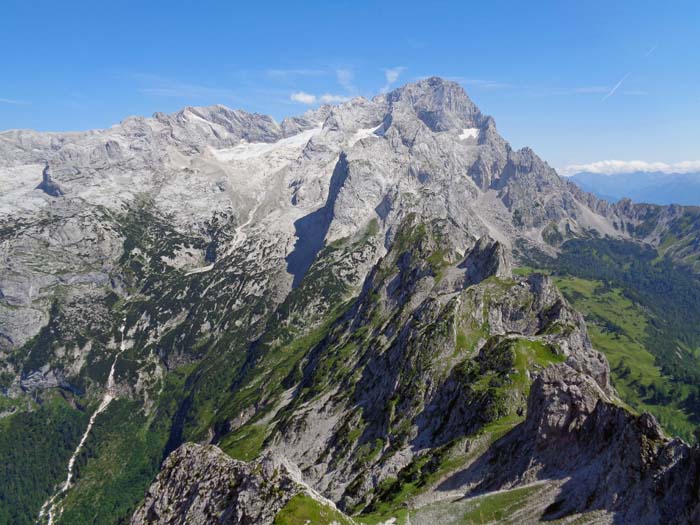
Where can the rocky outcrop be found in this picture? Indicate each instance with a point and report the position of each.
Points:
(427, 355)
(487, 258)
(617, 461)
(201, 485)
(48, 185)
(606, 458)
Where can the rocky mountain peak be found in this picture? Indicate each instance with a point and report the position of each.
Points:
(441, 104)
(252, 127)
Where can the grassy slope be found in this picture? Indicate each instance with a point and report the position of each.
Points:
(617, 327)
(304, 510)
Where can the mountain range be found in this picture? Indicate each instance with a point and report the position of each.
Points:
(365, 314)
(641, 186)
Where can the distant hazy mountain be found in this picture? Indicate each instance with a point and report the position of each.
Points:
(655, 188)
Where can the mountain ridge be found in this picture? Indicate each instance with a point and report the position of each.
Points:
(505, 203)
(651, 187)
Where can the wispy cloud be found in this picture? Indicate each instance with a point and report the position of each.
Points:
(613, 167)
(633, 92)
(346, 79)
(14, 102)
(545, 91)
(302, 97)
(328, 98)
(534, 91)
(392, 75)
(344, 76)
(605, 89)
(615, 88)
(159, 86)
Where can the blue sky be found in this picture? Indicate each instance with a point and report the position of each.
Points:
(577, 81)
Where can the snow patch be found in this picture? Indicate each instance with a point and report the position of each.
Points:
(201, 269)
(469, 133)
(364, 133)
(250, 150)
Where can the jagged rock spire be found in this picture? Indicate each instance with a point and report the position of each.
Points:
(48, 185)
(487, 258)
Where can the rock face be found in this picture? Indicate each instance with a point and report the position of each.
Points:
(47, 184)
(488, 258)
(435, 348)
(617, 461)
(607, 458)
(200, 485)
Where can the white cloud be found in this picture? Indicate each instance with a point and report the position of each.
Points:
(303, 97)
(392, 75)
(345, 78)
(613, 167)
(309, 99)
(13, 101)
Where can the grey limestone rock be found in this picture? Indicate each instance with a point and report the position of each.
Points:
(200, 485)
